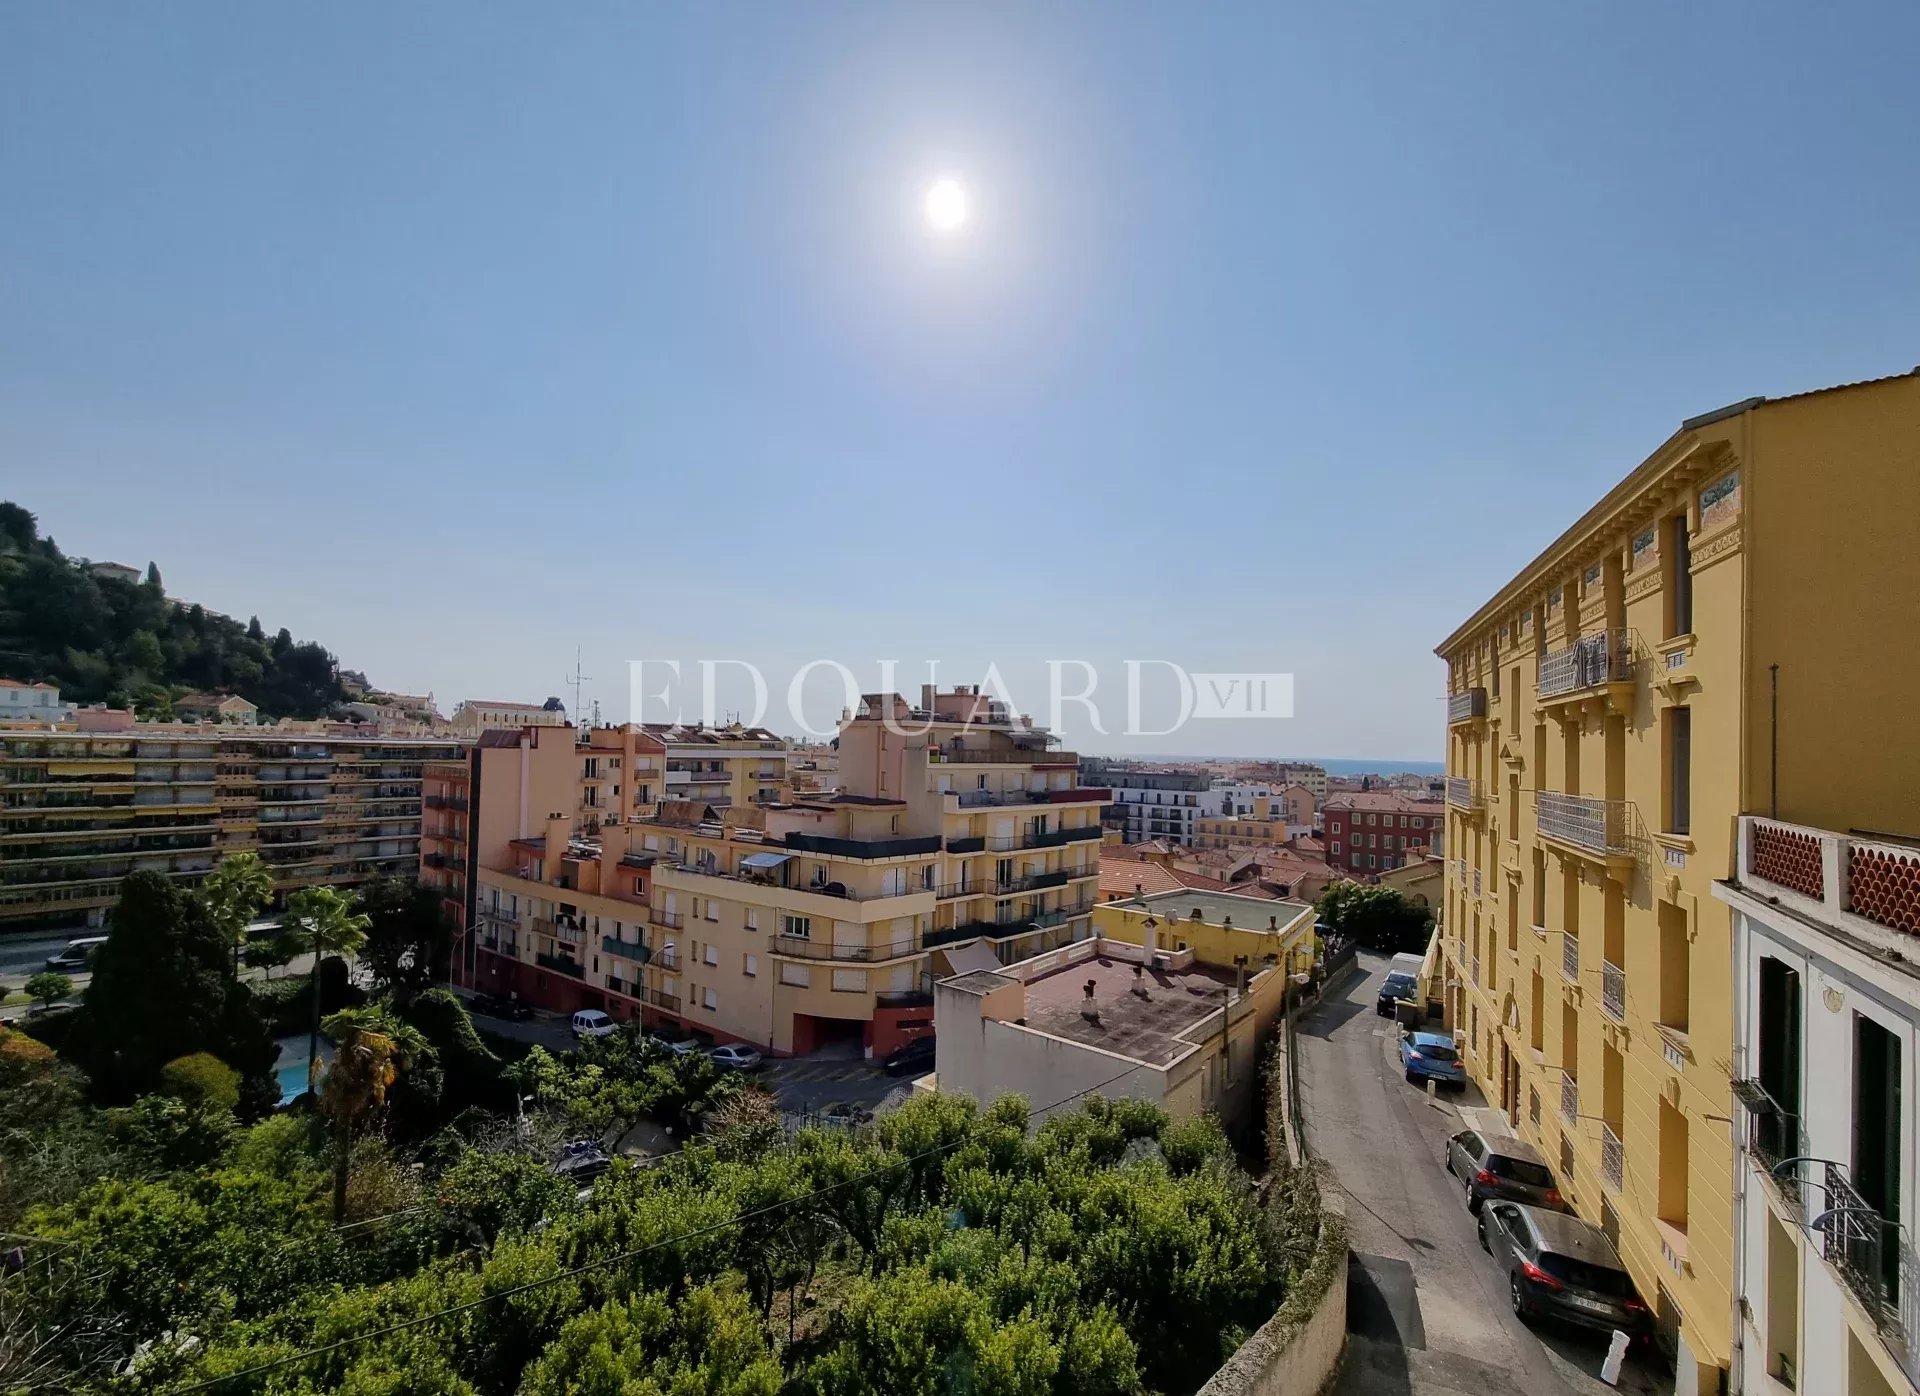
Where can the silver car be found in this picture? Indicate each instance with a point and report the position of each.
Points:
(1561, 1267)
(1495, 1165)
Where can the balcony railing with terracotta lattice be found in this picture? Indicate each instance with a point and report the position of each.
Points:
(1853, 879)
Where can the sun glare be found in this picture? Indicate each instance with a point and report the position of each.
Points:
(946, 206)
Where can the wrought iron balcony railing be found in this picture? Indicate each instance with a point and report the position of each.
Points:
(1613, 991)
(1464, 793)
(1592, 661)
(1613, 1158)
(1599, 826)
(1569, 1100)
(1570, 956)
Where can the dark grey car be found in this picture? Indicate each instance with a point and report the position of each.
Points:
(1561, 1267)
(1493, 1165)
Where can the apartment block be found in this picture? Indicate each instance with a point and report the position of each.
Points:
(1160, 804)
(1826, 1006)
(477, 715)
(81, 810)
(732, 765)
(959, 837)
(1713, 638)
(1374, 831)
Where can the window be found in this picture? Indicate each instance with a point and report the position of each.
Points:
(710, 953)
(753, 918)
(750, 965)
(652, 843)
(1779, 1038)
(1679, 754)
(1676, 966)
(797, 927)
(640, 887)
(709, 999)
(713, 909)
(1369, 860)
(1877, 1136)
(1336, 848)
(1678, 561)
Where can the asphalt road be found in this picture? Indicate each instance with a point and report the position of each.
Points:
(1427, 1310)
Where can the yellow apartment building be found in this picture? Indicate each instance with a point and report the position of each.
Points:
(1723, 633)
(81, 810)
(477, 715)
(960, 839)
(1265, 827)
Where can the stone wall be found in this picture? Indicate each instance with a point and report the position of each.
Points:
(1297, 1352)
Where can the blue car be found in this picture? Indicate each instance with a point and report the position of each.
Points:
(1429, 1056)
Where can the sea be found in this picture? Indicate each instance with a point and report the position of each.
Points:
(1335, 765)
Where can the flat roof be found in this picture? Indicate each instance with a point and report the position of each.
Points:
(978, 981)
(1146, 1028)
(1248, 913)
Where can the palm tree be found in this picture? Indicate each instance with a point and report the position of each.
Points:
(371, 1049)
(234, 893)
(323, 918)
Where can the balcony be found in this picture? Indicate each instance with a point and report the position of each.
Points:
(669, 1003)
(1569, 1100)
(1773, 1130)
(1613, 991)
(672, 920)
(1570, 956)
(560, 964)
(796, 948)
(1866, 886)
(1466, 794)
(625, 949)
(972, 843)
(1613, 1158)
(1468, 705)
(1476, 971)
(1600, 664)
(1598, 828)
(965, 756)
(862, 848)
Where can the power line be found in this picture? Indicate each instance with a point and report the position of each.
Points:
(623, 1256)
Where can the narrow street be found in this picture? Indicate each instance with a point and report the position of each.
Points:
(1427, 1310)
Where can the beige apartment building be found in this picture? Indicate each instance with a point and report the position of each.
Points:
(790, 924)
(731, 765)
(477, 715)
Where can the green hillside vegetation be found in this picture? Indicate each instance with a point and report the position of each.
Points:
(106, 640)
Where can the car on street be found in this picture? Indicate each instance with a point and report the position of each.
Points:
(679, 1046)
(77, 956)
(591, 1022)
(737, 1055)
(1498, 1167)
(847, 1112)
(1402, 982)
(1431, 1056)
(581, 1161)
(509, 1006)
(910, 1058)
(1561, 1267)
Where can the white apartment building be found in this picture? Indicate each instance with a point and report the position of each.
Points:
(1826, 959)
(1161, 804)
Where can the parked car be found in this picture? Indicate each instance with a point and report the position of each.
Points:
(1496, 1166)
(847, 1112)
(1431, 1056)
(77, 957)
(679, 1046)
(591, 1022)
(910, 1058)
(509, 1006)
(1561, 1267)
(737, 1055)
(1402, 982)
(581, 1162)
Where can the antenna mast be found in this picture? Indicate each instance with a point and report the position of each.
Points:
(576, 678)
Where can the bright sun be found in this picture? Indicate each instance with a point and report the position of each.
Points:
(946, 206)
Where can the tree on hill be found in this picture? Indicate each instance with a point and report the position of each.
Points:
(103, 639)
(409, 937)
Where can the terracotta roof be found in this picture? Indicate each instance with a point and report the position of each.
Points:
(1120, 877)
(1199, 882)
(1391, 801)
(15, 683)
(506, 707)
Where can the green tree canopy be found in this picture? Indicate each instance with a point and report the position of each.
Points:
(1379, 918)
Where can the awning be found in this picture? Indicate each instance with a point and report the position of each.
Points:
(759, 861)
(974, 955)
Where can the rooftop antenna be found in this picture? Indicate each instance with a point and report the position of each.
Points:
(576, 678)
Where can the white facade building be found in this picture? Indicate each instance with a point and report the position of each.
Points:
(32, 702)
(1826, 959)
(1161, 806)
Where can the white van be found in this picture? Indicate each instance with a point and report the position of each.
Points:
(591, 1022)
(78, 954)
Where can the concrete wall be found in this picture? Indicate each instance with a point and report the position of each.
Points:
(1298, 1350)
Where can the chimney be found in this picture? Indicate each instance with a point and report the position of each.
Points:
(1240, 976)
(1273, 924)
(558, 826)
(1227, 923)
(1150, 935)
(1139, 982)
(927, 693)
(1089, 1009)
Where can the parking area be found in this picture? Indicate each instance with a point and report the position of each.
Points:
(1429, 1310)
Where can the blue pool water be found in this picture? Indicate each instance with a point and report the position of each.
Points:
(293, 1081)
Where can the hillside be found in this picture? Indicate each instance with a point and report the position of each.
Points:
(102, 639)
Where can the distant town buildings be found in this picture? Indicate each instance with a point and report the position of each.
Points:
(477, 715)
(216, 707)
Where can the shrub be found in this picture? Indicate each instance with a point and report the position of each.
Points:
(201, 1079)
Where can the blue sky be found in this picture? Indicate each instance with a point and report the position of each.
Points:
(459, 335)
